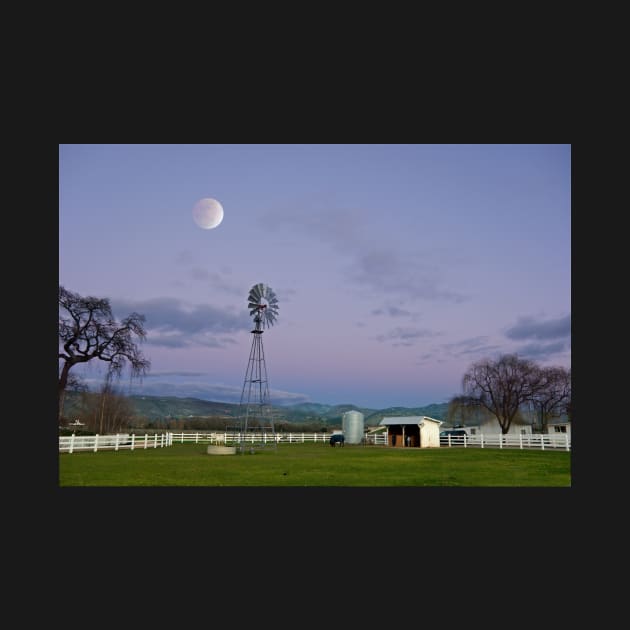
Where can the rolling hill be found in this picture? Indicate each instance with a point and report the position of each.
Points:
(163, 407)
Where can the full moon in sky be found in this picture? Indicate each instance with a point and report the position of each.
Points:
(207, 213)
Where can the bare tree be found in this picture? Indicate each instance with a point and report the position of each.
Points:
(464, 410)
(107, 411)
(88, 330)
(503, 386)
(553, 397)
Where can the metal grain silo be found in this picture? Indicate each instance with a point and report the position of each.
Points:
(352, 424)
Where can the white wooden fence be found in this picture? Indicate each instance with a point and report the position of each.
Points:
(226, 437)
(510, 440)
(72, 443)
(131, 441)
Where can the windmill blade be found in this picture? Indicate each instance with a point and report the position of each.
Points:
(258, 293)
(254, 294)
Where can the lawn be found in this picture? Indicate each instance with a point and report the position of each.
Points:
(317, 465)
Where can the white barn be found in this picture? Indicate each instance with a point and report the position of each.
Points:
(412, 431)
(491, 426)
(558, 427)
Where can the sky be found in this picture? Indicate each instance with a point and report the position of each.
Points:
(396, 266)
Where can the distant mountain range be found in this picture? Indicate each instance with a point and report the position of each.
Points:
(163, 407)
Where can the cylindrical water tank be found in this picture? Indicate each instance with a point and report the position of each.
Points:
(352, 424)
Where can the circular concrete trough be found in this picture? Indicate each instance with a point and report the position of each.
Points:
(221, 450)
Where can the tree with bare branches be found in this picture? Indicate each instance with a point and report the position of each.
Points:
(502, 386)
(465, 410)
(106, 411)
(88, 330)
(553, 397)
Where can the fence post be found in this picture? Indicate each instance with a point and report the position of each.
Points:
(116, 443)
(566, 441)
(146, 437)
(500, 440)
(96, 443)
(465, 436)
(155, 440)
(449, 439)
(542, 441)
(520, 441)
(481, 439)
(71, 443)
(133, 440)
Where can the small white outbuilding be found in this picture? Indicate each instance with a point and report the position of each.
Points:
(412, 431)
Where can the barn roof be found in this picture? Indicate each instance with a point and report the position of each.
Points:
(389, 420)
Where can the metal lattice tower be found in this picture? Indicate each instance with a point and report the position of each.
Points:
(255, 408)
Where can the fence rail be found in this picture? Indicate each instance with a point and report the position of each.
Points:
(132, 441)
(120, 441)
(509, 440)
(231, 437)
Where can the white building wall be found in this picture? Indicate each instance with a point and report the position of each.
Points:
(429, 434)
(492, 426)
(554, 429)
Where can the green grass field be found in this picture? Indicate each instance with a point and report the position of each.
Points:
(317, 465)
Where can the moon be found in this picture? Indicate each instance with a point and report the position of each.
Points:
(207, 213)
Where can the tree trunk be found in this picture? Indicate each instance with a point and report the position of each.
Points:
(63, 381)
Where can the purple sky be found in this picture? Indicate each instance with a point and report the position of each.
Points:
(396, 266)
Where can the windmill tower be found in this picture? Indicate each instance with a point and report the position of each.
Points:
(255, 408)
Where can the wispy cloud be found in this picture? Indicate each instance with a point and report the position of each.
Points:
(401, 336)
(394, 311)
(556, 332)
(214, 392)
(474, 347)
(173, 323)
(214, 280)
(183, 373)
(530, 328)
(543, 351)
(211, 392)
(380, 266)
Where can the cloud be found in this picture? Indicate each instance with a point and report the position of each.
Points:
(529, 328)
(476, 346)
(184, 373)
(386, 270)
(543, 351)
(480, 347)
(215, 281)
(172, 323)
(394, 311)
(405, 336)
(210, 392)
(379, 266)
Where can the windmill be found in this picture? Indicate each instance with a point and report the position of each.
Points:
(254, 405)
